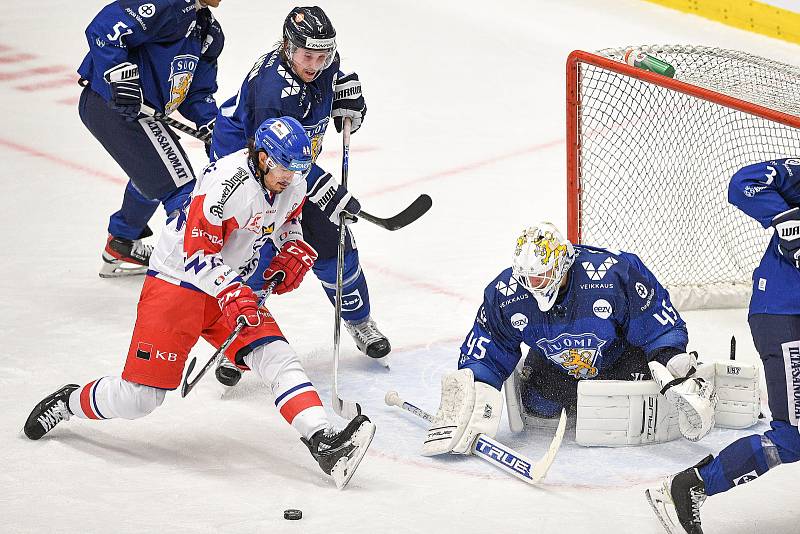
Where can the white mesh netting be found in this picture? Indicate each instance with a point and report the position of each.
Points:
(654, 166)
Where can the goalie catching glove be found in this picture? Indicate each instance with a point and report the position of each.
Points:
(694, 397)
(467, 409)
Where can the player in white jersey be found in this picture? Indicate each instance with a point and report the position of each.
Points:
(195, 287)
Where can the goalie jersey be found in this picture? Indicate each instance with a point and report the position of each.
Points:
(610, 304)
(174, 43)
(762, 191)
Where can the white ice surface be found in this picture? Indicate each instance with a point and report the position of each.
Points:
(466, 103)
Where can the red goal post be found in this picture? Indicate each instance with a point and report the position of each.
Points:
(649, 159)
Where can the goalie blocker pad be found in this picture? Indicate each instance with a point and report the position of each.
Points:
(618, 413)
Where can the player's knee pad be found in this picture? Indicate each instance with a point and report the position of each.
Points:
(274, 362)
(325, 269)
(786, 440)
(128, 400)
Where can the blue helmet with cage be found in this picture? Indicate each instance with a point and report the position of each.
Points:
(285, 141)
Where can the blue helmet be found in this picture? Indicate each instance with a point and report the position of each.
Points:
(285, 142)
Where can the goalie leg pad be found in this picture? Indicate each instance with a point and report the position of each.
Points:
(619, 413)
(738, 388)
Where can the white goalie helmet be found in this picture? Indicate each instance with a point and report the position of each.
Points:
(541, 260)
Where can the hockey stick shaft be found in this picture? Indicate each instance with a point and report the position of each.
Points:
(343, 408)
(188, 385)
(178, 125)
(494, 452)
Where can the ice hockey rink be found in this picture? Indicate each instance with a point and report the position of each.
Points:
(466, 103)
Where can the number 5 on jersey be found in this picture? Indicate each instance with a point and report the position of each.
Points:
(476, 347)
(667, 315)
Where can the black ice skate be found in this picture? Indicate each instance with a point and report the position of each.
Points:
(339, 453)
(678, 500)
(48, 413)
(369, 339)
(227, 373)
(125, 257)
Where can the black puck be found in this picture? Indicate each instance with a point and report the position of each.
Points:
(292, 515)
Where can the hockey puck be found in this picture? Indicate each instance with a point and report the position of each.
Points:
(292, 515)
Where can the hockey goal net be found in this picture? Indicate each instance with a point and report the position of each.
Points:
(649, 159)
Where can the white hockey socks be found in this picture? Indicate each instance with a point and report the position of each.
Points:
(295, 395)
(112, 397)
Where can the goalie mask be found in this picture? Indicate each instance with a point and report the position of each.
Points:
(541, 260)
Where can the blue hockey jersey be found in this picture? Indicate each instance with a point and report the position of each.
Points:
(762, 191)
(270, 90)
(611, 303)
(175, 45)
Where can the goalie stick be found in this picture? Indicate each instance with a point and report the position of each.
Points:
(494, 452)
(188, 385)
(414, 211)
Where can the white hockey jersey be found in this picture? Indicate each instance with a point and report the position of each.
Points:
(215, 239)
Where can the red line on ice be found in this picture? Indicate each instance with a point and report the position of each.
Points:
(45, 85)
(463, 168)
(16, 58)
(61, 162)
(36, 71)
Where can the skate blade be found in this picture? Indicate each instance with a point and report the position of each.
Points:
(656, 500)
(118, 270)
(344, 469)
(385, 362)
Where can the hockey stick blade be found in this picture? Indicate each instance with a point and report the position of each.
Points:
(414, 211)
(494, 452)
(345, 409)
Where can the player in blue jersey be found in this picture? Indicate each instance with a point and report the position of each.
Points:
(301, 79)
(769, 192)
(163, 54)
(587, 314)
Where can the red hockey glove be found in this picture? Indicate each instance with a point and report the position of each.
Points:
(294, 260)
(238, 302)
